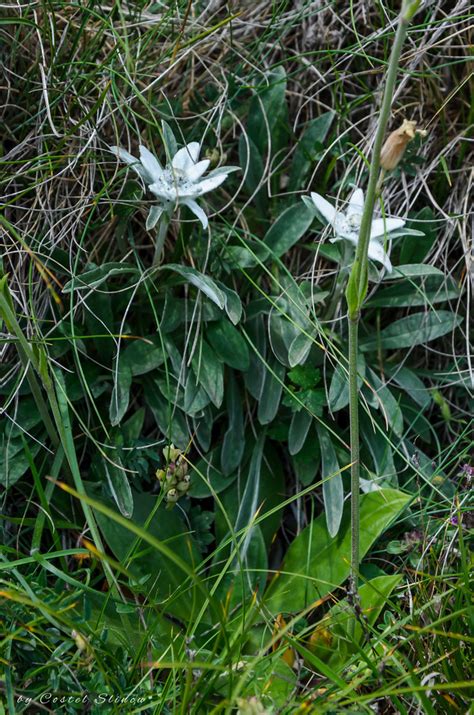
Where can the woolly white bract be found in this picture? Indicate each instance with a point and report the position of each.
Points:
(180, 183)
(346, 224)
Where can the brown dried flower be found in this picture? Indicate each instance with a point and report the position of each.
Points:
(396, 143)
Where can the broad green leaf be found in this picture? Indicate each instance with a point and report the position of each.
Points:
(195, 396)
(132, 428)
(165, 582)
(169, 419)
(339, 387)
(282, 333)
(289, 227)
(411, 384)
(99, 320)
(271, 393)
(317, 563)
(229, 345)
(120, 394)
(252, 165)
(308, 147)
(412, 270)
(233, 304)
(209, 372)
(387, 404)
(254, 376)
(169, 140)
(333, 491)
(200, 281)
(415, 251)
(299, 350)
(343, 632)
(267, 108)
(207, 479)
(306, 461)
(202, 425)
(434, 289)
(233, 443)
(299, 428)
(249, 502)
(273, 683)
(14, 460)
(380, 451)
(142, 356)
(94, 276)
(415, 329)
(271, 494)
(119, 485)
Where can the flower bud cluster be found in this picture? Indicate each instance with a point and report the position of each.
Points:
(175, 480)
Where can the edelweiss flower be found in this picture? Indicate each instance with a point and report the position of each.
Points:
(346, 224)
(180, 182)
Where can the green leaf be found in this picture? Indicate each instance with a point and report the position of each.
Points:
(267, 108)
(299, 428)
(387, 404)
(333, 491)
(143, 356)
(169, 140)
(411, 384)
(346, 631)
(299, 350)
(207, 479)
(169, 419)
(119, 486)
(229, 345)
(254, 376)
(233, 304)
(271, 393)
(132, 428)
(413, 330)
(289, 227)
(412, 270)
(317, 563)
(339, 387)
(305, 376)
(166, 579)
(415, 251)
(306, 461)
(120, 394)
(200, 281)
(233, 443)
(14, 460)
(434, 289)
(254, 170)
(249, 503)
(195, 397)
(209, 372)
(380, 451)
(308, 148)
(93, 277)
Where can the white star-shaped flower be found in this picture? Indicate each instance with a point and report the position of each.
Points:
(346, 224)
(180, 182)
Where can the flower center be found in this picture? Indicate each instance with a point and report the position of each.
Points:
(347, 224)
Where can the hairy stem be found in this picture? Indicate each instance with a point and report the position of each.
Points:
(357, 285)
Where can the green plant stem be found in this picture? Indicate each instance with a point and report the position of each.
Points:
(160, 238)
(355, 448)
(358, 280)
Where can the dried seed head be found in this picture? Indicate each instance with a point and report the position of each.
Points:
(396, 143)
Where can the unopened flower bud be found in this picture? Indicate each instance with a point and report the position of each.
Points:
(396, 143)
(172, 496)
(160, 474)
(171, 453)
(181, 469)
